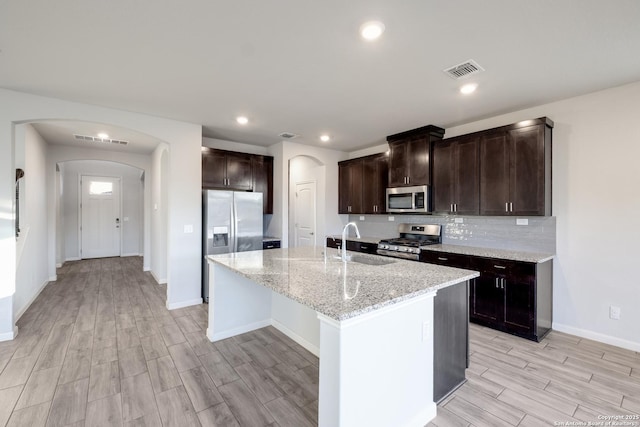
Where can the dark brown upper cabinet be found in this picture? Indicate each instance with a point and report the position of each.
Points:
(362, 185)
(515, 169)
(409, 156)
(263, 180)
(456, 178)
(230, 170)
(226, 170)
(350, 187)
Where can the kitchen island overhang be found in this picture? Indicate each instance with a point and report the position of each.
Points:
(370, 321)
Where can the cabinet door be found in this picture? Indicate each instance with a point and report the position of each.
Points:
(356, 182)
(467, 177)
(262, 167)
(214, 166)
(239, 171)
(398, 154)
(418, 161)
(487, 299)
(494, 174)
(344, 187)
(443, 176)
(518, 306)
(527, 179)
(374, 184)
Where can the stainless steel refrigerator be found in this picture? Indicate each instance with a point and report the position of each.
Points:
(231, 222)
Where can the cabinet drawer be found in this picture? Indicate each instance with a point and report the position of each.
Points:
(334, 243)
(445, 258)
(271, 244)
(523, 271)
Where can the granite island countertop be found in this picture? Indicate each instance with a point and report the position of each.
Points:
(340, 290)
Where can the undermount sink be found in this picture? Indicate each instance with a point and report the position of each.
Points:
(371, 261)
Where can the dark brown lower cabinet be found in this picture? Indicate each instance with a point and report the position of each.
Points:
(510, 296)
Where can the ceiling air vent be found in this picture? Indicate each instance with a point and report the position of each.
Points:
(288, 135)
(99, 140)
(465, 69)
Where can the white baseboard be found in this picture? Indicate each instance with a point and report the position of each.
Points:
(297, 338)
(27, 305)
(237, 331)
(181, 304)
(160, 281)
(53, 278)
(130, 254)
(58, 265)
(8, 336)
(423, 418)
(72, 259)
(596, 336)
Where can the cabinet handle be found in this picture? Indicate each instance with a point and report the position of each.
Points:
(506, 207)
(502, 283)
(348, 208)
(497, 286)
(443, 259)
(455, 207)
(501, 267)
(408, 180)
(451, 207)
(510, 207)
(365, 247)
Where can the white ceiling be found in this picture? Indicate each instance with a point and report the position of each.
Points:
(300, 66)
(62, 132)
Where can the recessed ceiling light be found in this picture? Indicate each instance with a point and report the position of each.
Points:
(103, 135)
(242, 120)
(468, 88)
(325, 138)
(371, 30)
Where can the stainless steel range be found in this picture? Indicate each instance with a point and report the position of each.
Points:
(412, 237)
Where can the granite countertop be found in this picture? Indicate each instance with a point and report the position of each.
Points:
(270, 239)
(534, 257)
(340, 290)
(363, 239)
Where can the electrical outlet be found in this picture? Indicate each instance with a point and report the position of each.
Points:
(614, 312)
(458, 220)
(361, 217)
(391, 218)
(522, 221)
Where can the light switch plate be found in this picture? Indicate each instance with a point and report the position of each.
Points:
(522, 221)
(188, 229)
(392, 218)
(126, 218)
(458, 220)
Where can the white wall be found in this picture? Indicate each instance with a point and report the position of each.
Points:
(159, 196)
(222, 144)
(307, 169)
(596, 146)
(31, 267)
(184, 190)
(283, 152)
(131, 208)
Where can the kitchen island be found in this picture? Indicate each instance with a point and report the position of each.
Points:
(370, 321)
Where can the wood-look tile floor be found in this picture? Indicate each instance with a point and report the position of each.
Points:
(99, 348)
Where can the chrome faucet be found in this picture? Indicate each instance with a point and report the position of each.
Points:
(344, 239)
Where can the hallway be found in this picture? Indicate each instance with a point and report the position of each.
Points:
(98, 347)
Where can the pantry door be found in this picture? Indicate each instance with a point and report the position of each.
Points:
(100, 224)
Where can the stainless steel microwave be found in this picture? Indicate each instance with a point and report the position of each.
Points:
(408, 199)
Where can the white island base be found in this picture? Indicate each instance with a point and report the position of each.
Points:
(376, 369)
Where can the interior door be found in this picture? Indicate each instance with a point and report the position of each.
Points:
(100, 217)
(305, 214)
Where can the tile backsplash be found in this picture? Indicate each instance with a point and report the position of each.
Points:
(492, 232)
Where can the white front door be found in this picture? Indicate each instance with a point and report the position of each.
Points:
(100, 216)
(305, 214)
